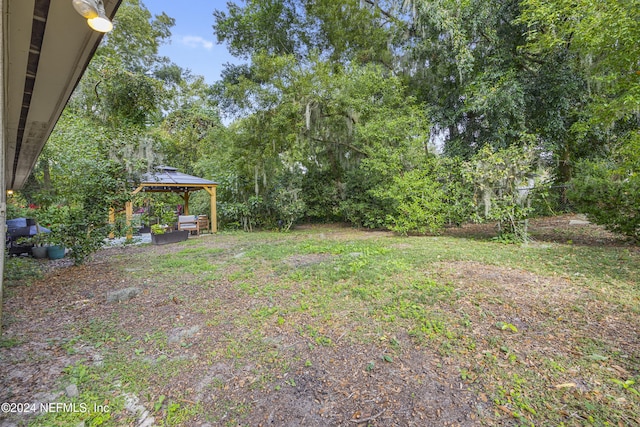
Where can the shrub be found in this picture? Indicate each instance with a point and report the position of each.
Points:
(419, 202)
(288, 206)
(427, 197)
(72, 228)
(365, 203)
(504, 181)
(608, 190)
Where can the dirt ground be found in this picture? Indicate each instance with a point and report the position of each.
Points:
(331, 385)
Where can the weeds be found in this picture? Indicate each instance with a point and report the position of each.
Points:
(21, 270)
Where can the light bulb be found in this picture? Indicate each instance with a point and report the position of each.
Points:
(100, 24)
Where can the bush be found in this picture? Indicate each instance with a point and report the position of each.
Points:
(419, 203)
(424, 199)
(321, 192)
(420, 198)
(365, 203)
(288, 206)
(458, 195)
(72, 228)
(609, 193)
(504, 181)
(17, 207)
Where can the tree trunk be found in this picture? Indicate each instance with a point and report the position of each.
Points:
(565, 171)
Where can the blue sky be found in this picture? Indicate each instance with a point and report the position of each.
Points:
(193, 44)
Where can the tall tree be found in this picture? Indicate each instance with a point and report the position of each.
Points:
(341, 32)
(604, 35)
(593, 48)
(185, 131)
(462, 58)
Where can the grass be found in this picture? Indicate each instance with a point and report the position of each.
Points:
(538, 335)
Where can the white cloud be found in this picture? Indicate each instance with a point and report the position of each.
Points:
(196, 42)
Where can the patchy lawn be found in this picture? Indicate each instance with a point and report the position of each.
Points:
(327, 326)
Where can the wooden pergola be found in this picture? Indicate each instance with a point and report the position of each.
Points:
(168, 180)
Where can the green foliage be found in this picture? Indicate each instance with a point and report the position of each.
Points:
(288, 206)
(52, 216)
(418, 201)
(458, 195)
(503, 326)
(310, 129)
(161, 210)
(18, 207)
(157, 229)
(421, 199)
(607, 190)
(463, 62)
(110, 133)
(78, 230)
(322, 196)
(129, 97)
(185, 132)
(339, 105)
(346, 30)
(605, 34)
(80, 224)
(363, 207)
(136, 37)
(503, 181)
(626, 385)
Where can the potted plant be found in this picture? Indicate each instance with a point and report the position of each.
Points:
(55, 246)
(36, 243)
(53, 218)
(55, 251)
(33, 244)
(39, 252)
(40, 246)
(145, 222)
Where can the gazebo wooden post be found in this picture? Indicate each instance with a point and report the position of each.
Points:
(129, 212)
(112, 221)
(185, 197)
(214, 215)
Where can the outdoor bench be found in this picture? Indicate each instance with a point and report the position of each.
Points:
(189, 222)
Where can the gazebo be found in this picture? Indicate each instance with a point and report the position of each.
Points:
(167, 179)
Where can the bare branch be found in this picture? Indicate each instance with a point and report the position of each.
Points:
(382, 11)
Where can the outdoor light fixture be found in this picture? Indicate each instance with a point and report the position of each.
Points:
(93, 11)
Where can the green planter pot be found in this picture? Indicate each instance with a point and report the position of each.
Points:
(55, 252)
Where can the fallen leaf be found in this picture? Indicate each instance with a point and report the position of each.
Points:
(623, 372)
(565, 385)
(597, 357)
(505, 409)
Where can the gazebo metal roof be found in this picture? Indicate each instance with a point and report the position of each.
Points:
(168, 179)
